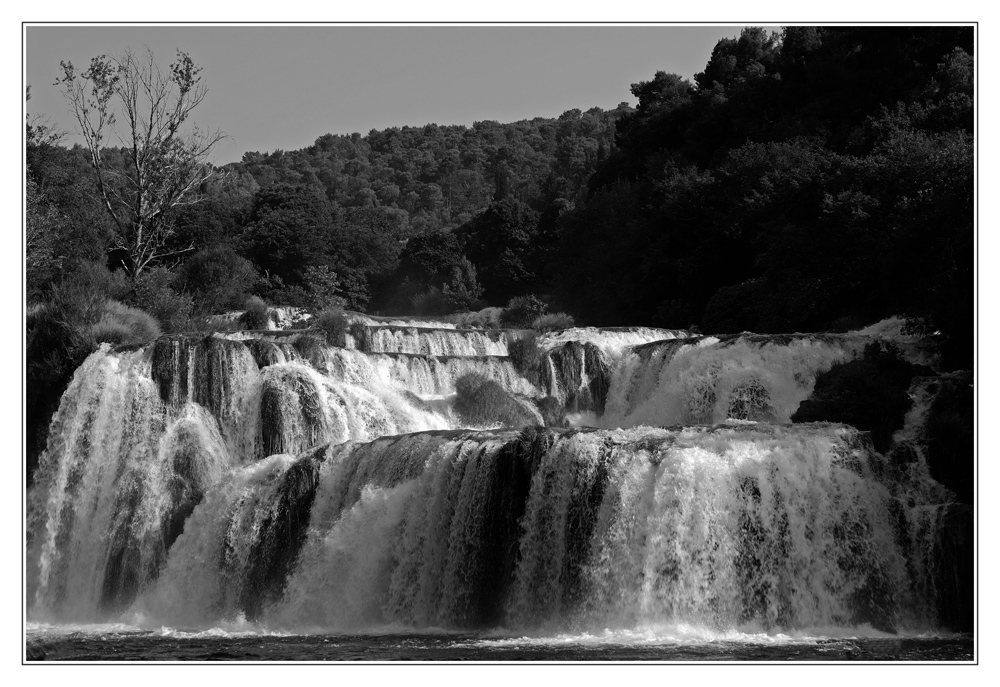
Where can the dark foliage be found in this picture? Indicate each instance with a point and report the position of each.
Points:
(526, 356)
(289, 230)
(256, 314)
(218, 279)
(551, 322)
(154, 292)
(499, 242)
(522, 311)
(869, 393)
(817, 182)
(333, 325)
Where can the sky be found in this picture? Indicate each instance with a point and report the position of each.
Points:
(282, 87)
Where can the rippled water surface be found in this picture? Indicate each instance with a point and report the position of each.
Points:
(122, 643)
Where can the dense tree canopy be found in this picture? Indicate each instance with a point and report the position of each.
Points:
(816, 178)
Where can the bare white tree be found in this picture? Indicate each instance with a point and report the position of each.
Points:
(163, 164)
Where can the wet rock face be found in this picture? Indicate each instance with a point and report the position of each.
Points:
(582, 376)
(954, 561)
(951, 435)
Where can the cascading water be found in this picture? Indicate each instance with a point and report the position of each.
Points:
(435, 342)
(727, 526)
(425, 376)
(576, 364)
(707, 379)
(141, 435)
(201, 482)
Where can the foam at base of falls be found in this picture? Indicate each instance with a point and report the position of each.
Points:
(785, 527)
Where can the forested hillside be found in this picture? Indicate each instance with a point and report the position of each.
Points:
(816, 179)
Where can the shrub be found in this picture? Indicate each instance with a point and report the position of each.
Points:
(333, 324)
(359, 332)
(218, 280)
(552, 322)
(154, 293)
(324, 288)
(430, 302)
(487, 318)
(79, 299)
(310, 347)
(256, 315)
(526, 355)
(731, 309)
(98, 280)
(522, 311)
(480, 401)
(123, 325)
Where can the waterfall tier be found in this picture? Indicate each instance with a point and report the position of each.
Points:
(764, 526)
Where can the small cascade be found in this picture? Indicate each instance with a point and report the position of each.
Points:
(709, 379)
(436, 342)
(377, 321)
(577, 374)
(213, 372)
(575, 366)
(939, 528)
(783, 527)
(243, 541)
(425, 376)
(611, 341)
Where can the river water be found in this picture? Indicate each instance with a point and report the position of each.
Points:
(118, 642)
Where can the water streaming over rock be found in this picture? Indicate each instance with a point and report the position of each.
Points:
(434, 342)
(774, 526)
(712, 379)
(205, 480)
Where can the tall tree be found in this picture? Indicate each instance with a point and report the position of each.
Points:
(162, 164)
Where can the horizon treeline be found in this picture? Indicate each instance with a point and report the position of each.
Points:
(820, 178)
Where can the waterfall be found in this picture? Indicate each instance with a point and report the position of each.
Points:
(273, 479)
(729, 526)
(141, 435)
(121, 473)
